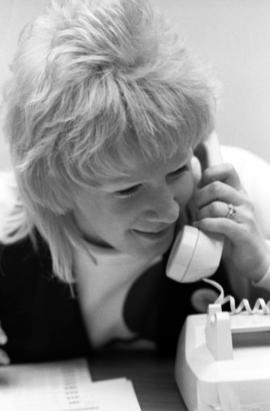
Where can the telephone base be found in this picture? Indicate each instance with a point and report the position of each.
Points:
(238, 381)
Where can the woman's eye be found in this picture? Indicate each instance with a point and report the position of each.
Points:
(127, 192)
(178, 172)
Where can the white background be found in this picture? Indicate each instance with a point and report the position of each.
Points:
(234, 35)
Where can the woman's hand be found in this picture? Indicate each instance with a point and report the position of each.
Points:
(4, 359)
(223, 207)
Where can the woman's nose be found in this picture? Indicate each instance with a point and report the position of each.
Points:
(164, 207)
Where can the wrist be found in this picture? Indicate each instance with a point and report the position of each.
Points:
(263, 281)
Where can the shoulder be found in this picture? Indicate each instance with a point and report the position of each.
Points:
(8, 198)
(8, 190)
(24, 262)
(17, 251)
(254, 173)
(244, 160)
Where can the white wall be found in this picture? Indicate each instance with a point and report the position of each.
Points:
(234, 35)
(14, 14)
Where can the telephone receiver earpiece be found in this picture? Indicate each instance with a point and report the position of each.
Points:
(195, 254)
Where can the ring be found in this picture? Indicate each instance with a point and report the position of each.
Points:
(231, 211)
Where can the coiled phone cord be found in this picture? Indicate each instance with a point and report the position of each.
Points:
(260, 306)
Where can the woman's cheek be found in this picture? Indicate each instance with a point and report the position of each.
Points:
(185, 189)
(126, 206)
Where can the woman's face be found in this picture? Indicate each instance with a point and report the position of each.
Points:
(137, 213)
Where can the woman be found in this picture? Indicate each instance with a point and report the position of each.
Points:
(104, 110)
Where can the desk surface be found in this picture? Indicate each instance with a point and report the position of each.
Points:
(152, 377)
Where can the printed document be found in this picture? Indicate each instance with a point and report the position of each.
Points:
(62, 386)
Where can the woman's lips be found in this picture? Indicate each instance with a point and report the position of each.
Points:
(153, 235)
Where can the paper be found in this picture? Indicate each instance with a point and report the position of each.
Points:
(62, 386)
(115, 395)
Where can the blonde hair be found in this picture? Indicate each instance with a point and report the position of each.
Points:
(93, 80)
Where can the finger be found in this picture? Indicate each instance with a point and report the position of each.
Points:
(217, 209)
(223, 172)
(225, 226)
(218, 190)
(4, 358)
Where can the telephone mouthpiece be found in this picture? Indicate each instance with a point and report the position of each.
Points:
(194, 255)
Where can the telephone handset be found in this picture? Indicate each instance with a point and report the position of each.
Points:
(196, 254)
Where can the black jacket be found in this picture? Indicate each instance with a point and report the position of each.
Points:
(43, 320)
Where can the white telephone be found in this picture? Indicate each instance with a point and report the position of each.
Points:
(195, 254)
(223, 358)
